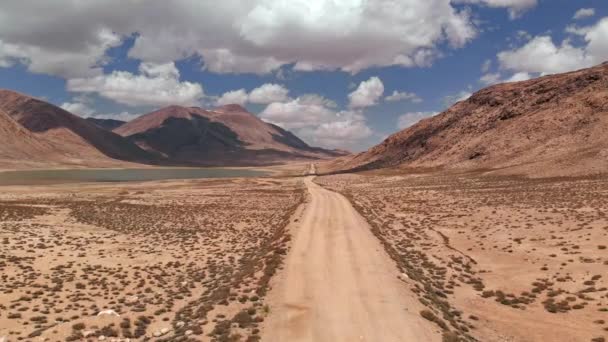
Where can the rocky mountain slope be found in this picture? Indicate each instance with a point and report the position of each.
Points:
(549, 126)
(228, 135)
(20, 144)
(68, 134)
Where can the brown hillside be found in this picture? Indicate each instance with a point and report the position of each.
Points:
(20, 144)
(68, 133)
(549, 126)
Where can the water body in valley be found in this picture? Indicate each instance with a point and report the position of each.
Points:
(26, 177)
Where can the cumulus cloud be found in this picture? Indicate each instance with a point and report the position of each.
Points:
(78, 108)
(341, 133)
(268, 93)
(316, 120)
(584, 13)
(122, 116)
(239, 96)
(541, 55)
(232, 36)
(367, 93)
(303, 111)
(516, 7)
(81, 106)
(408, 119)
(403, 96)
(155, 85)
(494, 78)
(264, 94)
(490, 78)
(519, 76)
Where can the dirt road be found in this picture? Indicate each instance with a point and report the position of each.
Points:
(338, 284)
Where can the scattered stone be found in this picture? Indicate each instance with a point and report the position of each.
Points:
(132, 300)
(108, 312)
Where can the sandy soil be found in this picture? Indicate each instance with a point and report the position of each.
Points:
(382, 256)
(339, 284)
(495, 258)
(170, 260)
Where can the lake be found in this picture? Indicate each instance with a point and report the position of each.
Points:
(25, 177)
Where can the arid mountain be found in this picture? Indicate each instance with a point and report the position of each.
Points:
(107, 124)
(69, 134)
(227, 135)
(20, 148)
(549, 126)
(20, 144)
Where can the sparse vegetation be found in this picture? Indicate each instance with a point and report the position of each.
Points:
(162, 256)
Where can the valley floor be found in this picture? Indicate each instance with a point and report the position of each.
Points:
(367, 257)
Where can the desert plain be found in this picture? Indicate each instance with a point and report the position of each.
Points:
(387, 255)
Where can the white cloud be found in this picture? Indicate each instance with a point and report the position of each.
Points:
(78, 108)
(156, 85)
(239, 97)
(231, 36)
(367, 94)
(304, 111)
(315, 119)
(584, 13)
(494, 78)
(122, 116)
(542, 55)
(490, 78)
(341, 133)
(408, 119)
(403, 96)
(516, 7)
(264, 94)
(576, 30)
(519, 76)
(460, 96)
(268, 93)
(81, 107)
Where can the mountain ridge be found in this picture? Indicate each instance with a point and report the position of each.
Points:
(552, 125)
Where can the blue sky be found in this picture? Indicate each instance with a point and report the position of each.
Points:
(324, 69)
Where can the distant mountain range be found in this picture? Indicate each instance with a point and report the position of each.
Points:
(227, 135)
(550, 126)
(554, 125)
(38, 134)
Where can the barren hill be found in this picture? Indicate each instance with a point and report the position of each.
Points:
(20, 144)
(225, 135)
(549, 126)
(68, 133)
